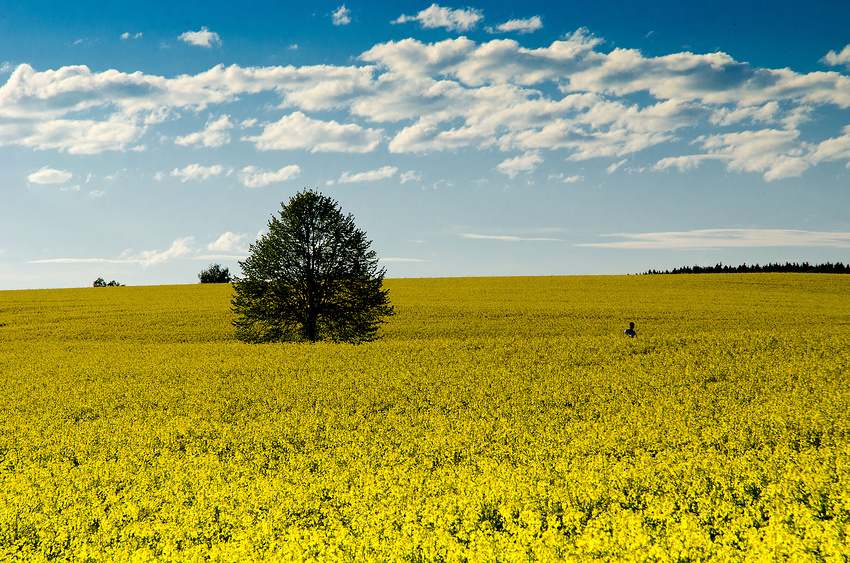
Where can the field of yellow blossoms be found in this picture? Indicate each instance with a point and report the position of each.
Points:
(498, 419)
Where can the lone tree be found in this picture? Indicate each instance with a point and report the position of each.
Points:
(215, 274)
(311, 277)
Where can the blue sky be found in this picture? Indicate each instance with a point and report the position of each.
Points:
(143, 141)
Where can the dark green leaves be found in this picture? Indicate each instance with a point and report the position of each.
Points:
(311, 277)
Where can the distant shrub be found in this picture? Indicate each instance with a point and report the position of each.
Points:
(215, 274)
(100, 282)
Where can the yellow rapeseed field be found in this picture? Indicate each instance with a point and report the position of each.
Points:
(498, 419)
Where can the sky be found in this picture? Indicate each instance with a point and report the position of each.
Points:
(142, 141)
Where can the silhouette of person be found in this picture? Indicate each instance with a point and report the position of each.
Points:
(630, 332)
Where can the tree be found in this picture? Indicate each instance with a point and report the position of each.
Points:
(215, 274)
(311, 277)
(100, 282)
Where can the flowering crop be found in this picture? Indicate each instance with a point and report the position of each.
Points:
(498, 419)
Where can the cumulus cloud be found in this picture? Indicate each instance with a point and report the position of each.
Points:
(228, 242)
(836, 59)
(410, 176)
(203, 38)
(341, 16)
(179, 248)
(686, 162)
(567, 179)
(74, 136)
(774, 153)
(571, 97)
(529, 25)
(614, 167)
(197, 172)
(836, 148)
(371, 176)
(437, 16)
(47, 175)
(522, 163)
(297, 131)
(253, 177)
(128, 35)
(214, 134)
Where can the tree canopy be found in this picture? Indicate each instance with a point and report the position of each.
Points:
(720, 268)
(311, 277)
(215, 274)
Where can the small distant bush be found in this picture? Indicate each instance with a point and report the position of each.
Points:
(215, 274)
(100, 282)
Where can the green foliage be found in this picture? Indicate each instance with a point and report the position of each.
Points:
(311, 277)
(215, 274)
(100, 282)
(719, 268)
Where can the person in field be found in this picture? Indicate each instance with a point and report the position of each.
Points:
(630, 332)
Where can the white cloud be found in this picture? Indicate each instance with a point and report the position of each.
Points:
(179, 248)
(567, 179)
(127, 35)
(528, 25)
(370, 176)
(214, 134)
(508, 238)
(253, 177)
(570, 96)
(726, 238)
(730, 116)
(47, 175)
(341, 16)
(438, 16)
(197, 172)
(836, 59)
(613, 168)
(770, 151)
(297, 131)
(76, 261)
(686, 162)
(72, 136)
(203, 38)
(522, 163)
(410, 176)
(837, 148)
(228, 242)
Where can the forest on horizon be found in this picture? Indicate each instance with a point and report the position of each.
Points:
(719, 268)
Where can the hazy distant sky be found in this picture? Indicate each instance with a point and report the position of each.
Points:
(142, 141)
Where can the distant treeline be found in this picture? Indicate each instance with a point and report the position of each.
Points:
(805, 267)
